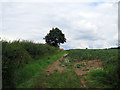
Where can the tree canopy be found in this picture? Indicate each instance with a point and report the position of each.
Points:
(55, 37)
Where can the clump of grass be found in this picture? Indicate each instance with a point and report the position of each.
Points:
(84, 74)
(78, 66)
(62, 61)
(55, 70)
(61, 65)
(91, 66)
(70, 66)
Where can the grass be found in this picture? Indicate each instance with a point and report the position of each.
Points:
(18, 54)
(23, 76)
(98, 78)
(77, 55)
(66, 79)
(55, 70)
(31, 75)
(85, 69)
(106, 78)
(61, 65)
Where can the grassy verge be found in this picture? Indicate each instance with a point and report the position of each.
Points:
(24, 77)
(98, 79)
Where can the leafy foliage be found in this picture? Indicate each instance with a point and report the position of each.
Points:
(55, 37)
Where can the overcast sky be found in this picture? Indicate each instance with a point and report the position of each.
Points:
(85, 24)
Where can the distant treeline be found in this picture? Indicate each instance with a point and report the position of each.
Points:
(18, 53)
(114, 48)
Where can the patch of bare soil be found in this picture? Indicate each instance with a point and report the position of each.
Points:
(55, 66)
(83, 69)
(88, 66)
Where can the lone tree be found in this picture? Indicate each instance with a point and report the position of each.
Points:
(55, 37)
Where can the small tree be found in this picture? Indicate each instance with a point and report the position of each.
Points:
(55, 37)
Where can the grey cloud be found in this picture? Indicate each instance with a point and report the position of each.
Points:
(81, 23)
(88, 36)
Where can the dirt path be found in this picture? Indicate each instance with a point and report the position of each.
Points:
(56, 66)
(81, 68)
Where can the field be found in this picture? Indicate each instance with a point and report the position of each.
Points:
(104, 75)
(43, 66)
(83, 69)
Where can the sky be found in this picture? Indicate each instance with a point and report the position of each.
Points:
(89, 24)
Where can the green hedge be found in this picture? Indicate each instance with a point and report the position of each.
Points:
(17, 54)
